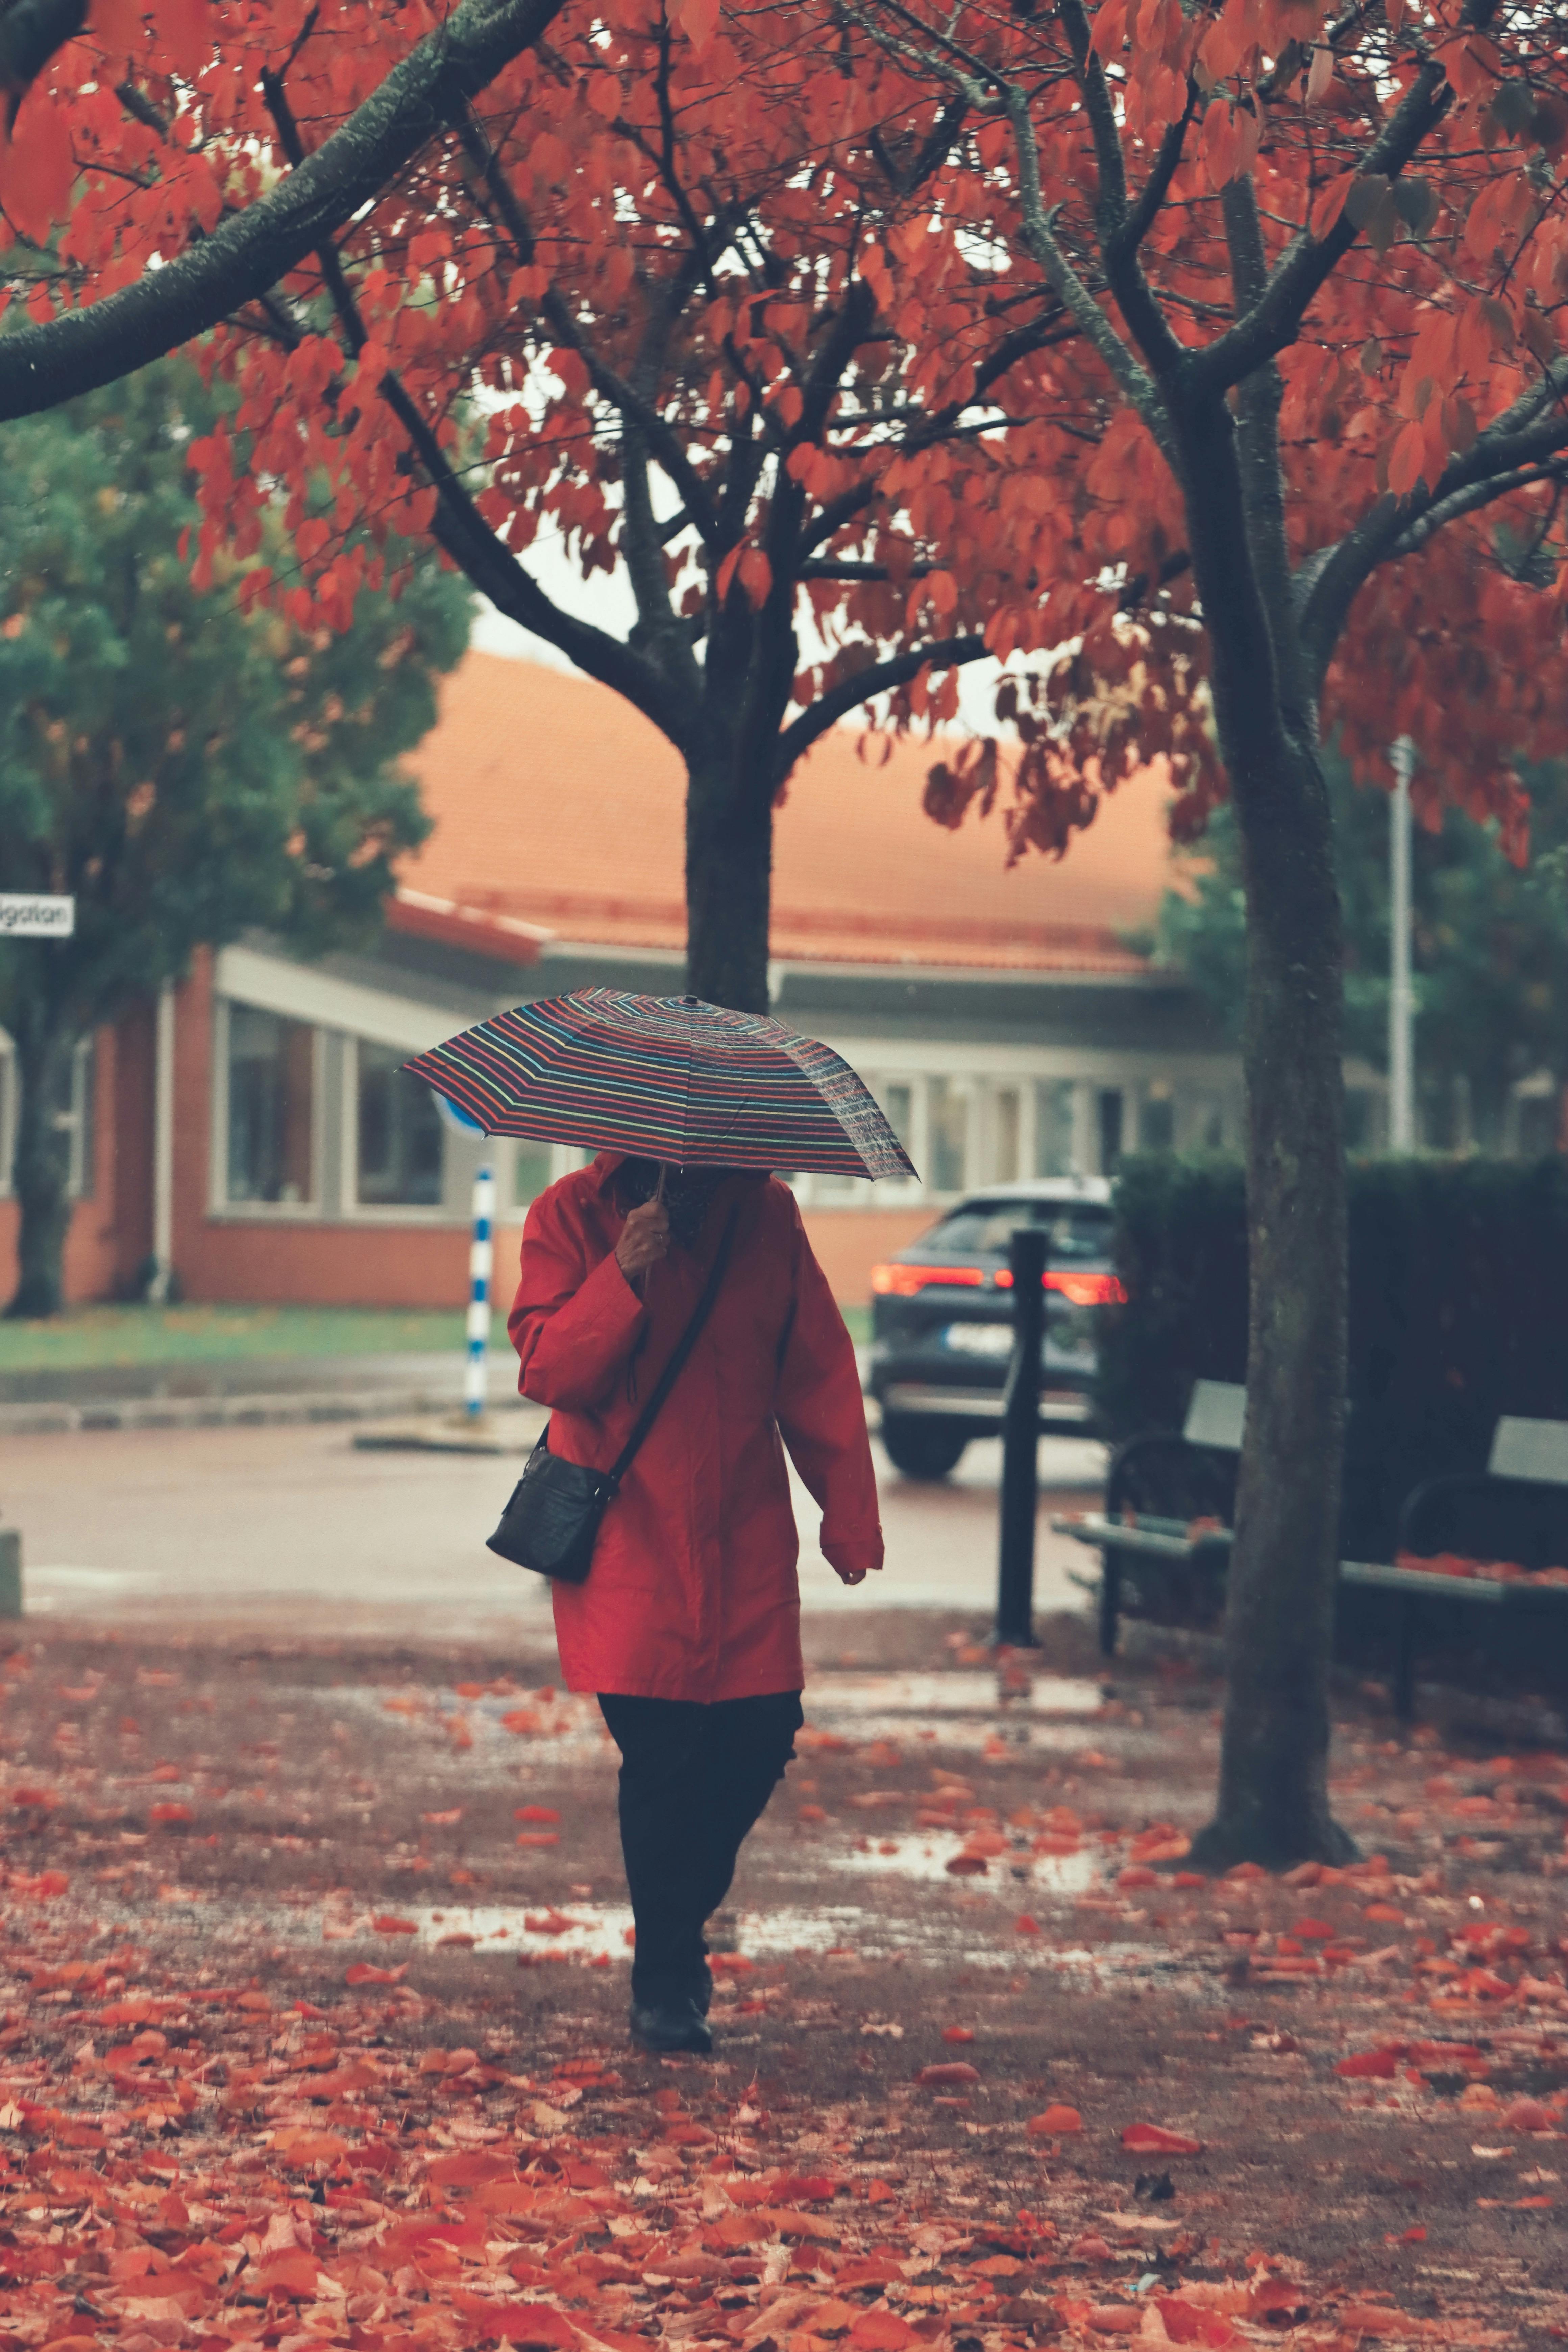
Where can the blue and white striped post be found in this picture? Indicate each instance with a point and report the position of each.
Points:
(481, 1258)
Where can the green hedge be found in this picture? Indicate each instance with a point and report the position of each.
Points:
(1458, 1307)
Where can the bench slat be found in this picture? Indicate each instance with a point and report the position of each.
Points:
(1216, 1414)
(1145, 1542)
(1535, 1450)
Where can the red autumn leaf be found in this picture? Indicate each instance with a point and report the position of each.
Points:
(1530, 2116)
(1369, 2066)
(953, 2074)
(1056, 2122)
(296, 2275)
(470, 2167)
(1153, 2140)
(957, 2033)
(518, 2323)
(880, 2331)
(37, 166)
(362, 1973)
(388, 1922)
(535, 1813)
(165, 1814)
(698, 19)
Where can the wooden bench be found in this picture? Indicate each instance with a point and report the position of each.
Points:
(1193, 1474)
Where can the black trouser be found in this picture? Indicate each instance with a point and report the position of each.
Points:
(694, 1778)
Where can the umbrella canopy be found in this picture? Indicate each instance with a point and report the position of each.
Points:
(665, 1077)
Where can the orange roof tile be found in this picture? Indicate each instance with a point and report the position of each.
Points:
(556, 804)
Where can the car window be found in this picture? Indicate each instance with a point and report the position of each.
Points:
(1075, 1231)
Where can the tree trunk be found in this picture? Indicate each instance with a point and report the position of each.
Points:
(1273, 1802)
(41, 1169)
(729, 882)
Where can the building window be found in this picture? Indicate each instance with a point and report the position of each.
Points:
(1537, 1118)
(531, 1173)
(1054, 1128)
(1157, 1117)
(1005, 1123)
(401, 1140)
(947, 1116)
(272, 1079)
(899, 1109)
(74, 1118)
(1364, 1119)
(72, 1112)
(1109, 1109)
(1206, 1122)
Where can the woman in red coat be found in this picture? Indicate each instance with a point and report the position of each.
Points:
(688, 1626)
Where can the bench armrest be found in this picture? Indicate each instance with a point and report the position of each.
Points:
(1434, 1497)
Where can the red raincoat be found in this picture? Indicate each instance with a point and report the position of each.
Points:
(692, 1593)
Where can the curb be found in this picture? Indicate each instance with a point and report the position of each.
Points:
(442, 1438)
(230, 1412)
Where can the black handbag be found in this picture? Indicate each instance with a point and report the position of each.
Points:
(552, 1523)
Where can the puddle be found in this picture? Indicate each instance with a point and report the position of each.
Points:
(834, 1695)
(958, 1711)
(586, 1930)
(918, 1858)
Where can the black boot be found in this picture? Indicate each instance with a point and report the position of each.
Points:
(665, 2020)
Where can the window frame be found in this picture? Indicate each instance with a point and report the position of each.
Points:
(219, 1205)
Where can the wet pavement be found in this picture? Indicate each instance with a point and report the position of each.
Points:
(292, 1533)
(965, 1975)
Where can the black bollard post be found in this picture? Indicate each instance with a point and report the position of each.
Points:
(1020, 1444)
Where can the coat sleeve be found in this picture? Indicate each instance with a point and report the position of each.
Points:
(822, 1415)
(572, 1326)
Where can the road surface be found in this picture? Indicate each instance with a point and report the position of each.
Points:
(293, 1531)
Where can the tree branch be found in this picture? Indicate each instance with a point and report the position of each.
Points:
(1470, 501)
(30, 33)
(43, 364)
(877, 677)
(1514, 443)
(1259, 400)
(1306, 261)
(663, 445)
(461, 530)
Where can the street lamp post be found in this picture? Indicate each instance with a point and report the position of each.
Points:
(1401, 998)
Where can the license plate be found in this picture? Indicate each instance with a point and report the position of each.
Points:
(994, 1340)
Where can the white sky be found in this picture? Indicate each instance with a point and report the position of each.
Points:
(607, 602)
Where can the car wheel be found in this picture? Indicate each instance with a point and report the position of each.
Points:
(921, 1447)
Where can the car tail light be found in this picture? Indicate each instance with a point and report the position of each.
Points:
(903, 1281)
(1083, 1289)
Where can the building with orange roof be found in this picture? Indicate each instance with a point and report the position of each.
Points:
(254, 1132)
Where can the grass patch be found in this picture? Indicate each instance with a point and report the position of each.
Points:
(90, 1337)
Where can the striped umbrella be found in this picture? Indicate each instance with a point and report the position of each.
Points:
(665, 1077)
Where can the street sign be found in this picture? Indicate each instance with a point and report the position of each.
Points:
(30, 914)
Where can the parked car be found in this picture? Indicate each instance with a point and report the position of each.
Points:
(941, 1326)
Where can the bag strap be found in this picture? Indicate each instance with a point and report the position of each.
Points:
(676, 1364)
